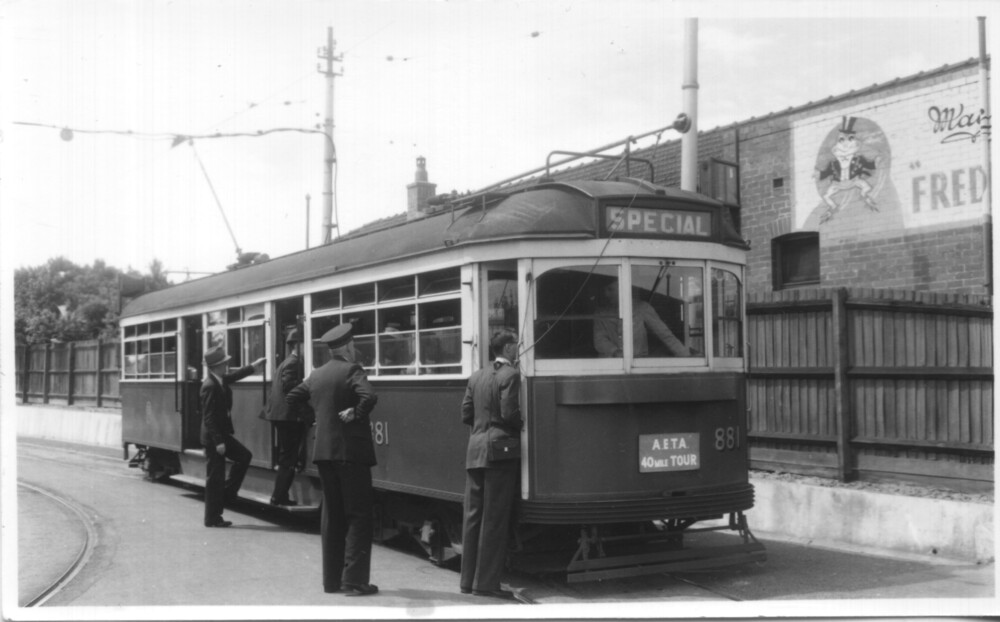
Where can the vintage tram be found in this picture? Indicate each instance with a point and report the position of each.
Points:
(625, 449)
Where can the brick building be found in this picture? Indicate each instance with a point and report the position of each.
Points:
(906, 213)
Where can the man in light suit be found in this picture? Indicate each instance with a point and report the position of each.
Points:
(342, 399)
(492, 407)
(217, 434)
(290, 421)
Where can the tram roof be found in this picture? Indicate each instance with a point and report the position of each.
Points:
(547, 210)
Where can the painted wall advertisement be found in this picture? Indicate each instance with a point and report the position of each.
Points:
(912, 160)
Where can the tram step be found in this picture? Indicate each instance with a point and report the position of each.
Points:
(248, 495)
(667, 561)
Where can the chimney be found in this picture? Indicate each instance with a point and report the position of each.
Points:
(419, 192)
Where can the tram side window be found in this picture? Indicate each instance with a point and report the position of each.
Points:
(440, 331)
(575, 312)
(320, 325)
(406, 325)
(727, 325)
(240, 330)
(667, 314)
(150, 350)
(397, 339)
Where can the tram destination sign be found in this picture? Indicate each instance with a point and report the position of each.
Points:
(642, 221)
(669, 452)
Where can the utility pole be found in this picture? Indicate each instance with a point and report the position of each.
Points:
(327, 54)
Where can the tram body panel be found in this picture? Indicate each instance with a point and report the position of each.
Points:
(420, 441)
(150, 414)
(251, 430)
(674, 440)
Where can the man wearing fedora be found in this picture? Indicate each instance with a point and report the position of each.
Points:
(290, 420)
(217, 434)
(342, 399)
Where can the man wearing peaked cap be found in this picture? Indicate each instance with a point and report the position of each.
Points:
(291, 421)
(338, 336)
(217, 434)
(342, 399)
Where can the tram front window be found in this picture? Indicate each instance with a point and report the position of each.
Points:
(727, 298)
(581, 312)
(572, 305)
(667, 311)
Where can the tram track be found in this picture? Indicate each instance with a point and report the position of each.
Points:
(83, 555)
(706, 588)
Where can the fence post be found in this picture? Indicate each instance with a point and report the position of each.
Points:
(842, 389)
(100, 371)
(70, 369)
(45, 373)
(27, 373)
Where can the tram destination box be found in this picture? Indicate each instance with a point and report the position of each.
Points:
(669, 452)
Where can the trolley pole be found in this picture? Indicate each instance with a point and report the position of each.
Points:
(307, 221)
(327, 54)
(689, 142)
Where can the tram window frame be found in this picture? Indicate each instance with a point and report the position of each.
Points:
(627, 360)
(732, 312)
(595, 275)
(691, 316)
(387, 311)
(323, 301)
(241, 331)
(149, 351)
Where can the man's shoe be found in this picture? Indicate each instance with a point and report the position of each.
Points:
(219, 523)
(286, 502)
(465, 590)
(503, 594)
(331, 590)
(360, 589)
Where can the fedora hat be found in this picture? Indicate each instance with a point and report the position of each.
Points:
(294, 336)
(216, 356)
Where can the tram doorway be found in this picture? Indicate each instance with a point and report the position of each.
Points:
(286, 317)
(191, 374)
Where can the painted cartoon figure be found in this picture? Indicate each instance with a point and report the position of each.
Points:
(848, 169)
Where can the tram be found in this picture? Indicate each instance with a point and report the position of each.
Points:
(626, 451)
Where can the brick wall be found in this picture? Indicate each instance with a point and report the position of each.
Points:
(925, 232)
(929, 185)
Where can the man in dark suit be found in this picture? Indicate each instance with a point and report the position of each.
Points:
(492, 407)
(217, 434)
(342, 399)
(291, 421)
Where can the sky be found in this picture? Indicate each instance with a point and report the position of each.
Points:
(483, 90)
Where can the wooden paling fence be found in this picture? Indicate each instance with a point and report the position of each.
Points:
(80, 373)
(872, 384)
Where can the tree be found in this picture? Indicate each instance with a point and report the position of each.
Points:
(63, 301)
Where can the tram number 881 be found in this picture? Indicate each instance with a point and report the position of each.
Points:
(380, 432)
(727, 439)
